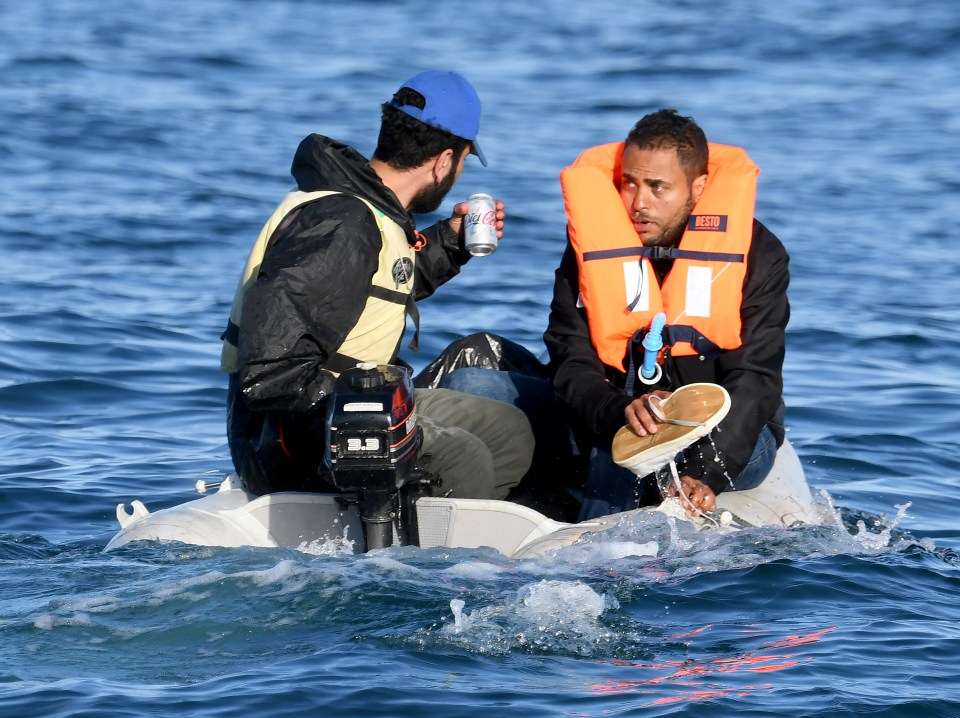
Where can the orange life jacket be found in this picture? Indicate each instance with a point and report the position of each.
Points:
(702, 294)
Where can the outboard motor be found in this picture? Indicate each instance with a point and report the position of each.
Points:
(374, 439)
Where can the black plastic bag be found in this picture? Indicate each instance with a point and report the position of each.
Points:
(483, 351)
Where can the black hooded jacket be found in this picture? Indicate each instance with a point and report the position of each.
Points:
(312, 286)
(315, 277)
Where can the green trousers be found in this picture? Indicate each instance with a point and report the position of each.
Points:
(480, 448)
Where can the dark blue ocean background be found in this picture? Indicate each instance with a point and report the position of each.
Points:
(144, 142)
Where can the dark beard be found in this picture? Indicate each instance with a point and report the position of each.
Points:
(429, 198)
(671, 235)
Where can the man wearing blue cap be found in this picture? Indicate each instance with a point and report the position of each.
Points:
(329, 283)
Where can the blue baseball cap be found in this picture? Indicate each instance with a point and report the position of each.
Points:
(451, 105)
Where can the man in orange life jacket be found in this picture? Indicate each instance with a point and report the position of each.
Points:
(664, 222)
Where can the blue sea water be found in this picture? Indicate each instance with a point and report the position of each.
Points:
(144, 143)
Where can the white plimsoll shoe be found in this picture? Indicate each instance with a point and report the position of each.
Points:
(691, 412)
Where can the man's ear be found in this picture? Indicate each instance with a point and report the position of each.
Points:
(696, 189)
(441, 165)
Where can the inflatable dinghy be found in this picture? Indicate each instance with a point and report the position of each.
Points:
(351, 520)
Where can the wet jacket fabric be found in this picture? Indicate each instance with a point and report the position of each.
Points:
(313, 284)
(377, 333)
(592, 394)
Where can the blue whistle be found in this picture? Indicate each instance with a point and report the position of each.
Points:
(652, 344)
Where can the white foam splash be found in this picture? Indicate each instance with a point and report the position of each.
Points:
(612, 550)
(281, 574)
(330, 546)
(882, 539)
(456, 606)
(477, 570)
(562, 600)
(549, 613)
(47, 621)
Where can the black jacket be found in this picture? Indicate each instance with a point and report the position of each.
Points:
(310, 291)
(592, 394)
(315, 277)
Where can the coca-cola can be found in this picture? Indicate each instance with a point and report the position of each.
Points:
(480, 225)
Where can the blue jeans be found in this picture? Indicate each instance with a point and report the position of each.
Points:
(611, 488)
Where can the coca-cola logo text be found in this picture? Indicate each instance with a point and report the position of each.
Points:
(486, 217)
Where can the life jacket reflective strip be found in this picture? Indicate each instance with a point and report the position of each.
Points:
(377, 334)
(702, 294)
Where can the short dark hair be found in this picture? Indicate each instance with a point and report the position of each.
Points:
(405, 143)
(665, 130)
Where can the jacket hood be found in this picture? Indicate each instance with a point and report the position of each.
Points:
(321, 163)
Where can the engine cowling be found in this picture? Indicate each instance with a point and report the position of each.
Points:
(374, 440)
